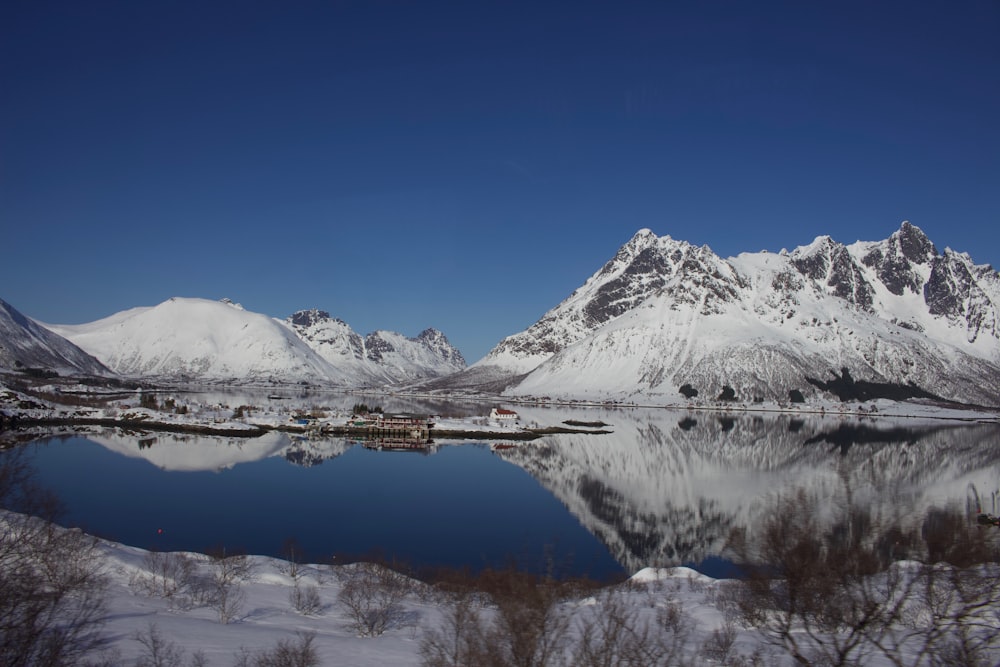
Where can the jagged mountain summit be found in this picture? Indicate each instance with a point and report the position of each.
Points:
(201, 339)
(663, 315)
(381, 357)
(26, 345)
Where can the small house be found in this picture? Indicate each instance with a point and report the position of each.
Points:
(500, 414)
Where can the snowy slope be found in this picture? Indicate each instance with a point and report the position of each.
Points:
(26, 344)
(188, 338)
(381, 357)
(663, 313)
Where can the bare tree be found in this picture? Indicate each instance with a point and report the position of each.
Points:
(52, 586)
(291, 554)
(157, 650)
(228, 574)
(832, 594)
(306, 599)
(166, 575)
(371, 595)
(529, 628)
(612, 634)
(456, 642)
(287, 653)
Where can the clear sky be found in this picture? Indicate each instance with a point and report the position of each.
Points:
(466, 165)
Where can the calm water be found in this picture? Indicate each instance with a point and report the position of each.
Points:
(460, 506)
(665, 488)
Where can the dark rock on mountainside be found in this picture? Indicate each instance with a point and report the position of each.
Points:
(26, 346)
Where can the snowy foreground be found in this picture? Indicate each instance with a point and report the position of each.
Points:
(160, 615)
(267, 614)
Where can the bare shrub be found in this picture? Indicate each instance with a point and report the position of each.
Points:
(719, 644)
(157, 651)
(831, 595)
(287, 653)
(610, 634)
(291, 554)
(227, 596)
(170, 576)
(306, 600)
(963, 614)
(529, 628)
(371, 595)
(456, 642)
(737, 603)
(52, 584)
(667, 641)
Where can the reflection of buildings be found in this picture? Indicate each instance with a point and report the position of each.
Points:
(664, 491)
(421, 445)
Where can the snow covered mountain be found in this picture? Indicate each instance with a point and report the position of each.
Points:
(25, 344)
(381, 357)
(663, 314)
(200, 339)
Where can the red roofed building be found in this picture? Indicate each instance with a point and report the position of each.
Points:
(503, 415)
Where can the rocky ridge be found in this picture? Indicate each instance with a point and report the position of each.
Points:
(663, 314)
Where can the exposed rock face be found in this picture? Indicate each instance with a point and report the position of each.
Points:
(662, 314)
(831, 264)
(308, 318)
(896, 260)
(438, 344)
(380, 357)
(25, 345)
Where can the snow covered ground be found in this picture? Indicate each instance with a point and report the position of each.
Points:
(195, 409)
(268, 614)
(689, 617)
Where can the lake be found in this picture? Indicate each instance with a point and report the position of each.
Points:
(665, 488)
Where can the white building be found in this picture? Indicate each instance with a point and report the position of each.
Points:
(503, 415)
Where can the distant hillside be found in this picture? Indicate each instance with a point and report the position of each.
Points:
(381, 357)
(200, 339)
(26, 346)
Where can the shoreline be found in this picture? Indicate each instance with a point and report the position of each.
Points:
(256, 430)
(20, 411)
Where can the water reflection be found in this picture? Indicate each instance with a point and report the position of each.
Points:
(663, 488)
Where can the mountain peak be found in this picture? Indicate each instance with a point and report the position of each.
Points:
(913, 243)
(663, 314)
(819, 244)
(644, 235)
(307, 318)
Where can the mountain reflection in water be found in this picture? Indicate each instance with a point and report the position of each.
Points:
(664, 488)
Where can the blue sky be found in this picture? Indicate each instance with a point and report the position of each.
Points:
(466, 165)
